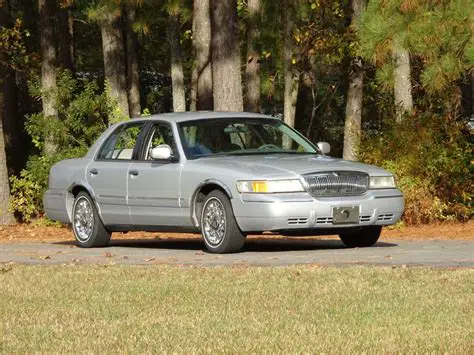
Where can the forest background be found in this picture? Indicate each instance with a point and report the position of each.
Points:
(386, 82)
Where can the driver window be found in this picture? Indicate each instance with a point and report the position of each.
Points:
(162, 134)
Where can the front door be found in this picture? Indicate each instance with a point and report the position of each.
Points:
(107, 173)
(153, 185)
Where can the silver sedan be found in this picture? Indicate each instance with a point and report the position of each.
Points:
(225, 175)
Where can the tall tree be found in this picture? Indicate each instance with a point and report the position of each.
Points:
(66, 38)
(402, 79)
(48, 69)
(177, 72)
(290, 74)
(226, 75)
(11, 127)
(133, 75)
(108, 15)
(202, 69)
(352, 129)
(6, 216)
(252, 70)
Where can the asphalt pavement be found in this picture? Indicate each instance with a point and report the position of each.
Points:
(261, 252)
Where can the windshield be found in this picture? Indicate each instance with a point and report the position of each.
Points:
(241, 136)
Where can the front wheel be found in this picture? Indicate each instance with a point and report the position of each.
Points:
(361, 238)
(86, 224)
(219, 228)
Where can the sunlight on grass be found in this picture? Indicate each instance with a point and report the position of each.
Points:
(184, 309)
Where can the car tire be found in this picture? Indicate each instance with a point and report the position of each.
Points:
(86, 224)
(361, 238)
(219, 229)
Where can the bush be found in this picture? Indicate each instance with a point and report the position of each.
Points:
(83, 110)
(430, 156)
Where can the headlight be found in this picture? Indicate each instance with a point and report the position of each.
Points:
(269, 187)
(382, 182)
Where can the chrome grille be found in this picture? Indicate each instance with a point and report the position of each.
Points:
(337, 183)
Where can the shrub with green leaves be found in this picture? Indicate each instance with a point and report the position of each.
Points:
(83, 110)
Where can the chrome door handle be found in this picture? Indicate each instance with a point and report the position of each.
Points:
(133, 172)
(94, 171)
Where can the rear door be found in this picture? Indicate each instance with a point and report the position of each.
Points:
(107, 173)
(153, 185)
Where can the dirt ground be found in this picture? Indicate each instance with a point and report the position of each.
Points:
(45, 234)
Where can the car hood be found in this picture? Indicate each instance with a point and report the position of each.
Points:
(280, 165)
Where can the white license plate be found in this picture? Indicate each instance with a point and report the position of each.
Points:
(345, 215)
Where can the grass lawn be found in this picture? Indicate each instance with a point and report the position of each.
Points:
(286, 309)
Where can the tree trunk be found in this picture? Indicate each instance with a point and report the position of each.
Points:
(177, 72)
(6, 217)
(66, 39)
(48, 70)
(11, 128)
(352, 129)
(226, 75)
(291, 79)
(202, 71)
(402, 81)
(252, 70)
(114, 67)
(472, 92)
(133, 75)
(194, 87)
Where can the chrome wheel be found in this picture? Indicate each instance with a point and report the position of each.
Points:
(83, 219)
(214, 221)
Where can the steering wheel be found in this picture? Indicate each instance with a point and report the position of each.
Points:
(269, 146)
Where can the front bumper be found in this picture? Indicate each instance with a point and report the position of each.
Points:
(301, 211)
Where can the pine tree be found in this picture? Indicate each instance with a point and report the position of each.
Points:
(202, 69)
(227, 78)
(438, 33)
(48, 69)
(352, 129)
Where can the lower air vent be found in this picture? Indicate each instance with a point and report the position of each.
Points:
(385, 217)
(324, 220)
(296, 221)
(365, 218)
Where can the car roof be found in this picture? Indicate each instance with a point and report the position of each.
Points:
(200, 115)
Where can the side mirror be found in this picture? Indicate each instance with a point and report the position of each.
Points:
(162, 152)
(324, 147)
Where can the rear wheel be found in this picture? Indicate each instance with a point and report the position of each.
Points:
(361, 238)
(219, 228)
(86, 224)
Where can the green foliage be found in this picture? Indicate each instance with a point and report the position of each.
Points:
(82, 107)
(438, 32)
(83, 111)
(430, 156)
(13, 52)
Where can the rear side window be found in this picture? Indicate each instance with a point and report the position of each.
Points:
(121, 143)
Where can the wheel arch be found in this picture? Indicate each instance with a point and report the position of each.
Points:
(74, 189)
(204, 188)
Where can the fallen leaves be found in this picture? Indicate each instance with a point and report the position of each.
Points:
(4, 268)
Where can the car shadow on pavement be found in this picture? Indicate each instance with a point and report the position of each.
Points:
(251, 245)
